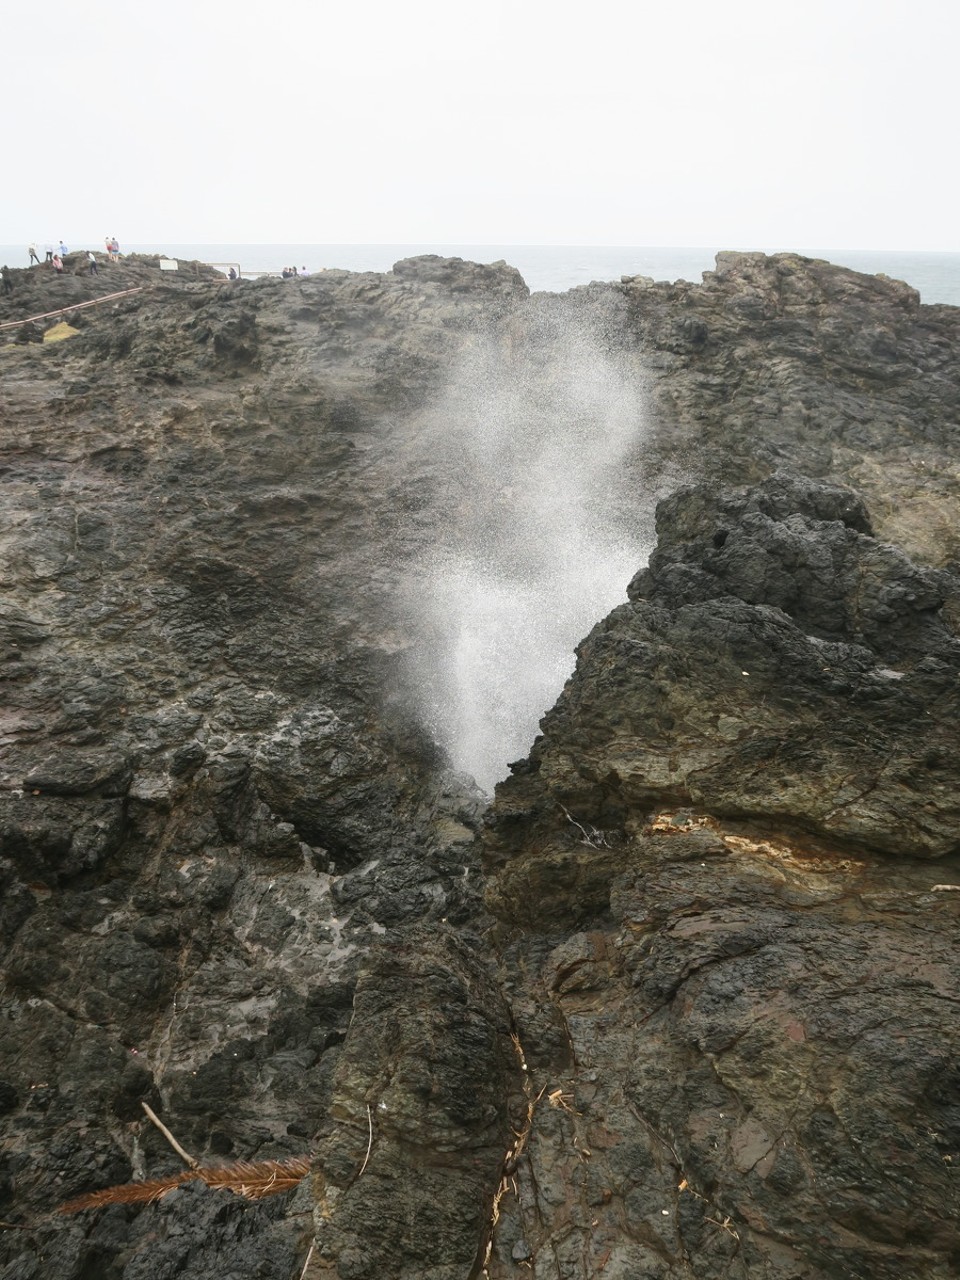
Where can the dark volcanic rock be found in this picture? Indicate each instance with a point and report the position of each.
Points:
(422, 1108)
(772, 665)
(212, 798)
(241, 881)
(755, 1069)
(75, 773)
(726, 808)
(799, 364)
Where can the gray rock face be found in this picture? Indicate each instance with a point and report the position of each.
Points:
(783, 362)
(741, 1001)
(746, 1065)
(775, 666)
(405, 1189)
(679, 1002)
(212, 800)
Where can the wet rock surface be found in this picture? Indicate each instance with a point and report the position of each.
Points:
(682, 1003)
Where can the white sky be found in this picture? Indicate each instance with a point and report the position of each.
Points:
(732, 124)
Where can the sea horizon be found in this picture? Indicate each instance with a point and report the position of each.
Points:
(548, 268)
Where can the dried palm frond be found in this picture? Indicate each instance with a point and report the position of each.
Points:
(255, 1180)
(251, 1179)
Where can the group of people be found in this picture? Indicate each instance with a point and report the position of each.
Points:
(55, 257)
(51, 253)
(291, 273)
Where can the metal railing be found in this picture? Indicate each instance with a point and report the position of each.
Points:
(74, 306)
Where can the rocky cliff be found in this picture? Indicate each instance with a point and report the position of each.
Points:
(681, 1002)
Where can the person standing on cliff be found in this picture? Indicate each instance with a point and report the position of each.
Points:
(34, 256)
(63, 250)
(92, 259)
(7, 281)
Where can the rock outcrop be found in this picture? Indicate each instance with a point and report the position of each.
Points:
(681, 1001)
(727, 946)
(783, 362)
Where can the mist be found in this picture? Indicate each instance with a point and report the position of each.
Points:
(543, 525)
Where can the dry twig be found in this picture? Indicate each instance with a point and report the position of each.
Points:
(188, 1159)
(369, 1139)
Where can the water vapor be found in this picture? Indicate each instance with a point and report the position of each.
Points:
(543, 524)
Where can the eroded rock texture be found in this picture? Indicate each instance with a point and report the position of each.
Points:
(685, 1004)
(732, 964)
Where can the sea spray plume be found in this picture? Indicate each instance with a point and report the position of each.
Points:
(539, 435)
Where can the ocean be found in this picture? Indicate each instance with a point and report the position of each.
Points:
(553, 268)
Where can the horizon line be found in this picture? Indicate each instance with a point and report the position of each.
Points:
(529, 244)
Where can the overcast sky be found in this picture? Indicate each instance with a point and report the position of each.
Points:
(737, 124)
